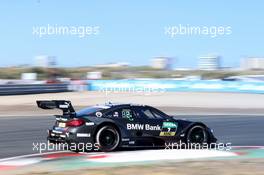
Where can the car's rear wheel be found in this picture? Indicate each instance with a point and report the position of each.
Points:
(197, 135)
(107, 138)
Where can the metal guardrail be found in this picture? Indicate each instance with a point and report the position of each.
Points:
(19, 89)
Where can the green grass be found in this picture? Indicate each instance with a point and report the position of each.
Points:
(119, 73)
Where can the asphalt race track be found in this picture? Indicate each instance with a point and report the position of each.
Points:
(17, 134)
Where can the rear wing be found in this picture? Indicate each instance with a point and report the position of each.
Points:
(63, 105)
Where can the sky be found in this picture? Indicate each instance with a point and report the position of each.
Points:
(130, 31)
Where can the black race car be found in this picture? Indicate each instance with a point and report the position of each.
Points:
(113, 126)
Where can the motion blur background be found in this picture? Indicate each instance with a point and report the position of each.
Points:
(41, 41)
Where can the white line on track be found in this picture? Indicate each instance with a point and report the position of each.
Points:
(100, 153)
(30, 155)
(159, 155)
(248, 146)
(46, 153)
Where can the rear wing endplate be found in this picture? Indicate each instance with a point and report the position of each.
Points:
(63, 105)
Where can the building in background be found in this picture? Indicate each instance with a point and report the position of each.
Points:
(95, 75)
(252, 63)
(161, 63)
(29, 76)
(45, 61)
(210, 62)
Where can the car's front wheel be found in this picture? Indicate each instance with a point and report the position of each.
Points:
(107, 138)
(197, 135)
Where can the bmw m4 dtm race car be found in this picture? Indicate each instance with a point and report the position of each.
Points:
(113, 126)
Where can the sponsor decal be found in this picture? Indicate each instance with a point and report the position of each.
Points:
(58, 130)
(127, 113)
(131, 126)
(115, 114)
(169, 129)
(169, 125)
(98, 114)
(167, 133)
(62, 125)
(152, 128)
(61, 119)
(89, 123)
(131, 142)
(65, 106)
(125, 139)
(83, 134)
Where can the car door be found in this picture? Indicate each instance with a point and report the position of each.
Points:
(126, 118)
(152, 124)
(160, 124)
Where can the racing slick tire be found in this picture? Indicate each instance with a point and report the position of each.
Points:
(197, 136)
(107, 138)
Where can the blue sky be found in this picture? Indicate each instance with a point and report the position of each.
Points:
(130, 31)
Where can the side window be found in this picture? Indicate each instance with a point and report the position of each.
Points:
(146, 112)
(157, 114)
(150, 113)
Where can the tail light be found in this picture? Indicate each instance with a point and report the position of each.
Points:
(75, 122)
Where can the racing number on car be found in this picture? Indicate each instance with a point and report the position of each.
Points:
(127, 113)
(168, 129)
